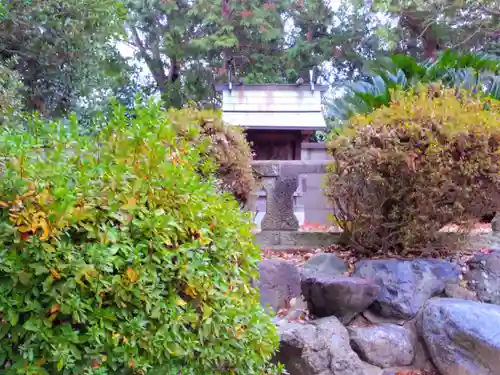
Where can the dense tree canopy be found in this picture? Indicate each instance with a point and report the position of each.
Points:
(189, 45)
(425, 27)
(61, 50)
(65, 53)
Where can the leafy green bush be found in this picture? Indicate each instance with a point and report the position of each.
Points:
(403, 172)
(117, 257)
(226, 144)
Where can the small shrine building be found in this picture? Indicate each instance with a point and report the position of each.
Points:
(277, 118)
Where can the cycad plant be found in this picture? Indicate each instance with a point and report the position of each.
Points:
(474, 72)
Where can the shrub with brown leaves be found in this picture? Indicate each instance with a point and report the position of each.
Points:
(227, 144)
(402, 172)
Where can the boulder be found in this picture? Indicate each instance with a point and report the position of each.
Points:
(374, 318)
(453, 290)
(278, 283)
(319, 347)
(463, 337)
(421, 363)
(384, 345)
(422, 359)
(408, 371)
(484, 277)
(406, 285)
(326, 263)
(341, 296)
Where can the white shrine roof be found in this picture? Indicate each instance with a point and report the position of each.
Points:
(280, 107)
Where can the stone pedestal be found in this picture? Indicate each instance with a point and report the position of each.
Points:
(279, 199)
(280, 180)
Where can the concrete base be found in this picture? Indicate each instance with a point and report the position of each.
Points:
(299, 214)
(281, 240)
(291, 240)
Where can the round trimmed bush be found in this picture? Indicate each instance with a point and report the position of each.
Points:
(117, 257)
(226, 144)
(404, 171)
(10, 91)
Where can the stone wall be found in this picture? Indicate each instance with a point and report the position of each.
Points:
(315, 205)
(314, 151)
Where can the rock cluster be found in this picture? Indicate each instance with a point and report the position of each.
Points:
(388, 316)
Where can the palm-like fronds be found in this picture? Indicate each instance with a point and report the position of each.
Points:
(479, 73)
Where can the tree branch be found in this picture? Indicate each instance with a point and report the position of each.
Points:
(468, 38)
(491, 12)
(154, 63)
(140, 45)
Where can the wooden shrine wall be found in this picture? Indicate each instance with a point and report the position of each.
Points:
(275, 145)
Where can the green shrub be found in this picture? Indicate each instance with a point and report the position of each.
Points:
(403, 172)
(117, 257)
(227, 145)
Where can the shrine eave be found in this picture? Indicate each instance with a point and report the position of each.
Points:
(313, 120)
(275, 87)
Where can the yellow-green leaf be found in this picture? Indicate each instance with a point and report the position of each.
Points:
(53, 317)
(180, 302)
(207, 311)
(130, 205)
(190, 291)
(24, 229)
(48, 247)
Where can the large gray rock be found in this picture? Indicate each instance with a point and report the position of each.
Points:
(463, 337)
(406, 285)
(278, 283)
(421, 361)
(454, 290)
(341, 296)
(326, 263)
(484, 277)
(384, 345)
(320, 347)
